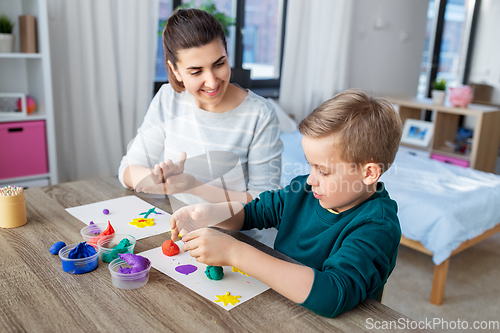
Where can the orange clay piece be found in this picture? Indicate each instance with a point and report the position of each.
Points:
(109, 231)
(169, 248)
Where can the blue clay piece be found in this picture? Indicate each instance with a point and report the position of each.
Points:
(79, 268)
(81, 265)
(54, 249)
(82, 250)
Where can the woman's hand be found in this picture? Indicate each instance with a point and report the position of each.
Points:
(155, 182)
(181, 183)
(211, 247)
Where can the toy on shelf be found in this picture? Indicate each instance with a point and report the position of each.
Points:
(30, 104)
(461, 96)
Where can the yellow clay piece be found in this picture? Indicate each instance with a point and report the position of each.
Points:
(142, 222)
(228, 298)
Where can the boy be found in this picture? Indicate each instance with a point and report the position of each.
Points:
(338, 221)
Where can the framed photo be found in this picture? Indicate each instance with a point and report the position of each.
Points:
(8, 105)
(417, 132)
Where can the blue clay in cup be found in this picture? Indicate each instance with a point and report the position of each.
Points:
(81, 265)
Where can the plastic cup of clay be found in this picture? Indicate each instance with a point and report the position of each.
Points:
(127, 281)
(88, 232)
(107, 243)
(78, 266)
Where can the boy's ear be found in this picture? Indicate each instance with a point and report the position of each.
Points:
(372, 173)
(177, 76)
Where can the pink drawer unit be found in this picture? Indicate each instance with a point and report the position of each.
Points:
(450, 160)
(23, 149)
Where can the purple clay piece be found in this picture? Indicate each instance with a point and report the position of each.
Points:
(186, 269)
(125, 270)
(94, 229)
(138, 263)
(54, 249)
(106, 211)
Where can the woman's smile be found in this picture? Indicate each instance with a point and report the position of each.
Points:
(211, 92)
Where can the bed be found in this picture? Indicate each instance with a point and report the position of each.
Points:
(443, 209)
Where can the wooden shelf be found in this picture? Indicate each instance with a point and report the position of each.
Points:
(446, 151)
(446, 118)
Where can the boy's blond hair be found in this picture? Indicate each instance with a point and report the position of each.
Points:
(368, 129)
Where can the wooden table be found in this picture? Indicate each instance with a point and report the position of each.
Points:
(36, 295)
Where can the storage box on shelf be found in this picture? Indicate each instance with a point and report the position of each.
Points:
(23, 149)
(486, 131)
(29, 135)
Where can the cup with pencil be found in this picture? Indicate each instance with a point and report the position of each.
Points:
(12, 207)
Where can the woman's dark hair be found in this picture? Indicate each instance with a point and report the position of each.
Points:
(188, 28)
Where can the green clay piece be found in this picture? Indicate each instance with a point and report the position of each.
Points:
(214, 272)
(120, 248)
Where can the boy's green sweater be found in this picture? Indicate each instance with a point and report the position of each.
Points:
(352, 253)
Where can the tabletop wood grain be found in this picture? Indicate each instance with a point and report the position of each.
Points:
(36, 295)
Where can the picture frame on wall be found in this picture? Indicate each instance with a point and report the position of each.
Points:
(417, 132)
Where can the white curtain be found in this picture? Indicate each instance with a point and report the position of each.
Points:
(316, 51)
(103, 60)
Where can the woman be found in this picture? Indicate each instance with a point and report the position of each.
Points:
(198, 113)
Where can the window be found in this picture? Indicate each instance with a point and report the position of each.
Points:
(262, 39)
(449, 39)
(256, 50)
(164, 14)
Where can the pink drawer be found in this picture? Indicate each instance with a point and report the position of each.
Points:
(450, 160)
(23, 149)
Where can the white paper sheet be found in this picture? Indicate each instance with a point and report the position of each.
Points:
(235, 283)
(122, 211)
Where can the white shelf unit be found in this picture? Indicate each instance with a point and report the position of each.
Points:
(30, 74)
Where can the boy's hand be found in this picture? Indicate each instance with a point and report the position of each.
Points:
(190, 218)
(211, 247)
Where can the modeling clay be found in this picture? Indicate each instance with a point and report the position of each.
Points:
(214, 272)
(152, 210)
(138, 263)
(115, 251)
(94, 229)
(186, 269)
(141, 222)
(82, 250)
(109, 231)
(105, 212)
(237, 270)
(227, 298)
(81, 259)
(169, 248)
(54, 249)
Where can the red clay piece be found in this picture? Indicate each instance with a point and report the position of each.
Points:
(109, 231)
(169, 248)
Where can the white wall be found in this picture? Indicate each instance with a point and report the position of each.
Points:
(386, 46)
(485, 65)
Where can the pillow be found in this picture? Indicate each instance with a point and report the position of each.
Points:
(287, 124)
